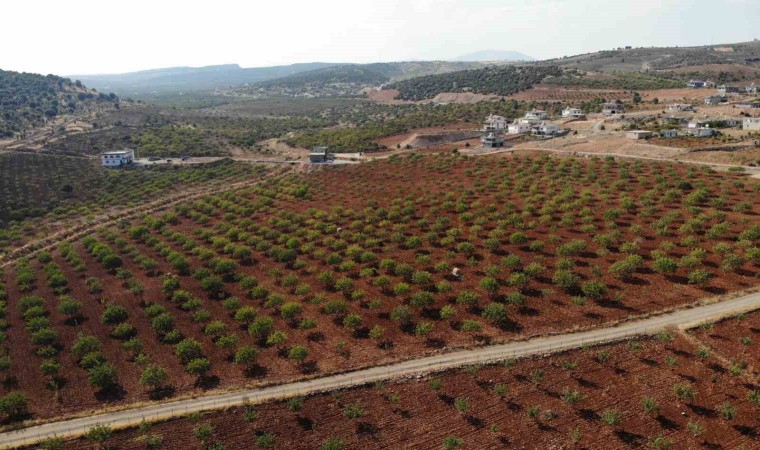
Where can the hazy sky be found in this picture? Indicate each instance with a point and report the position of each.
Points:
(107, 36)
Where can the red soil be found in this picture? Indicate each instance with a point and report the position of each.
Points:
(343, 193)
(413, 415)
(736, 339)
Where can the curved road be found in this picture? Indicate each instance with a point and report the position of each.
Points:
(685, 318)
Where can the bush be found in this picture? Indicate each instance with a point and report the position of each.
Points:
(565, 279)
(154, 376)
(594, 289)
(114, 314)
(188, 349)
(102, 376)
(495, 313)
(13, 405)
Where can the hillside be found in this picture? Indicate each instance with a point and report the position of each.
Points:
(658, 58)
(347, 80)
(177, 79)
(500, 80)
(29, 100)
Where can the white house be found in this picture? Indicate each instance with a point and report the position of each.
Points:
(536, 115)
(117, 158)
(751, 124)
(494, 122)
(695, 83)
(612, 108)
(548, 129)
(518, 127)
(699, 124)
(678, 107)
(701, 132)
(669, 133)
(639, 134)
(492, 140)
(573, 113)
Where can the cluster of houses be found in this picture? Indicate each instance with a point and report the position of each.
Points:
(699, 128)
(534, 122)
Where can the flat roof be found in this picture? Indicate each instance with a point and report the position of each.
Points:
(117, 152)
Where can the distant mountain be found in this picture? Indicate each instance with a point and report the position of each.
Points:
(178, 79)
(495, 55)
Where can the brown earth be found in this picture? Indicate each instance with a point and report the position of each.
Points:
(343, 193)
(568, 392)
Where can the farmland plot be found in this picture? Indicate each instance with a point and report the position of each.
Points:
(649, 393)
(352, 267)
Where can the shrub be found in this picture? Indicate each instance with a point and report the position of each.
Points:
(154, 376)
(495, 313)
(114, 314)
(188, 349)
(594, 289)
(611, 417)
(699, 277)
(565, 279)
(102, 376)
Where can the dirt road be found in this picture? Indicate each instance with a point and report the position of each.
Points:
(683, 318)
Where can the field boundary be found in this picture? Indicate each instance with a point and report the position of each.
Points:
(682, 319)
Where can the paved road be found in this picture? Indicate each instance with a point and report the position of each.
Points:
(542, 345)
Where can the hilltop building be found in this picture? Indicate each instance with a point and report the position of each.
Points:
(536, 115)
(715, 99)
(695, 84)
(518, 127)
(723, 90)
(118, 158)
(321, 155)
(638, 134)
(679, 107)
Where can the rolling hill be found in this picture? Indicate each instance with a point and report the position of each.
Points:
(178, 79)
(29, 100)
(661, 58)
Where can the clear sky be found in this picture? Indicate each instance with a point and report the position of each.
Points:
(108, 36)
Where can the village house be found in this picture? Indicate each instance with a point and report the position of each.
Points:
(695, 84)
(714, 100)
(117, 158)
(701, 132)
(518, 127)
(752, 89)
(669, 133)
(751, 124)
(699, 124)
(495, 123)
(321, 155)
(638, 134)
(547, 129)
(678, 107)
(612, 108)
(492, 140)
(723, 90)
(536, 115)
(573, 113)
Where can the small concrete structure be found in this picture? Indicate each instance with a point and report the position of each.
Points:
(117, 158)
(612, 108)
(669, 133)
(699, 124)
(751, 124)
(573, 113)
(752, 89)
(492, 140)
(321, 155)
(714, 100)
(495, 123)
(638, 134)
(678, 107)
(723, 90)
(518, 127)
